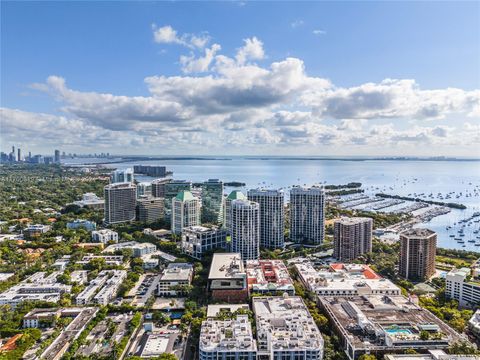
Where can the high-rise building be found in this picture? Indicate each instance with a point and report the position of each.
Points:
(172, 188)
(19, 155)
(122, 176)
(57, 156)
(150, 209)
(120, 202)
(245, 232)
(272, 216)
(212, 201)
(417, 254)
(307, 215)
(158, 187)
(227, 208)
(352, 238)
(153, 171)
(144, 189)
(185, 211)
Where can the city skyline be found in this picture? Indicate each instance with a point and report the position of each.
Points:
(332, 79)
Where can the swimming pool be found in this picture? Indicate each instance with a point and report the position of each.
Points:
(398, 331)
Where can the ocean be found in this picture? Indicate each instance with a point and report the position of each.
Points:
(397, 177)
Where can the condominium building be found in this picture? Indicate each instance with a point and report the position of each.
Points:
(104, 236)
(149, 170)
(80, 223)
(139, 249)
(121, 176)
(285, 329)
(352, 238)
(268, 277)
(158, 187)
(227, 214)
(385, 324)
(37, 287)
(212, 201)
(460, 285)
(185, 211)
(474, 324)
(197, 240)
(175, 279)
(344, 280)
(227, 279)
(227, 339)
(37, 229)
(307, 215)
(272, 216)
(103, 288)
(150, 209)
(144, 189)
(91, 201)
(172, 188)
(120, 203)
(245, 232)
(417, 254)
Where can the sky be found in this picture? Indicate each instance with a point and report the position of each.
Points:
(241, 78)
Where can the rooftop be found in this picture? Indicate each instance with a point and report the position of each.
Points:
(177, 271)
(215, 310)
(381, 321)
(236, 195)
(285, 323)
(268, 275)
(353, 220)
(417, 233)
(226, 266)
(227, 335)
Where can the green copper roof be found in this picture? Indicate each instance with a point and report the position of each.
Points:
(185, 195)
(236, 195)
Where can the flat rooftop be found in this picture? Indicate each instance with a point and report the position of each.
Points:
(375, 320)
(177, 272)
(227, 335)
(268, 275)
(215, 310)
(284, 323)
(417, 233)
(155, 344)
(226, 266)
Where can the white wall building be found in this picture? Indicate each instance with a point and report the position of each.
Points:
(186, 211)
(104, 236)
(459, 286)
(175, 276)
(245, 232)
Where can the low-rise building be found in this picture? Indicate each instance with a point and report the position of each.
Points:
(37, 229)
(139, 249)
(227, 279)
(6, 276)
(103, 288)
(197, 240)
(92, 201)
(227, 339)
(268, 277)
(285, 329)
(61, 264)
(215, 310)
(104, 236)
(37, 287)
(79, 277)
(383, 324)
(81, 224)
(344, 280)
(115, 260)
(474, 323)
(175, 278)
(461, 286)
(431, 355)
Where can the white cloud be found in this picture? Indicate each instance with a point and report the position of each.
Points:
(319, 32)
(191, 64)
(168, 35)
(252, 50)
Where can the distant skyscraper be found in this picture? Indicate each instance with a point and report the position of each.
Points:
(352, 238)
(227, 208)
(19, 157)
(417, 254)
(120, 202)
(212, 201)
(245, 233)
(150, 209)
(172, 188)
(158, 187)
(122, 176)
(185, 211)
(272, 216)
(57, 156)
(307, 215)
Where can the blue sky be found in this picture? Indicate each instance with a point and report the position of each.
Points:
(114, 74)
